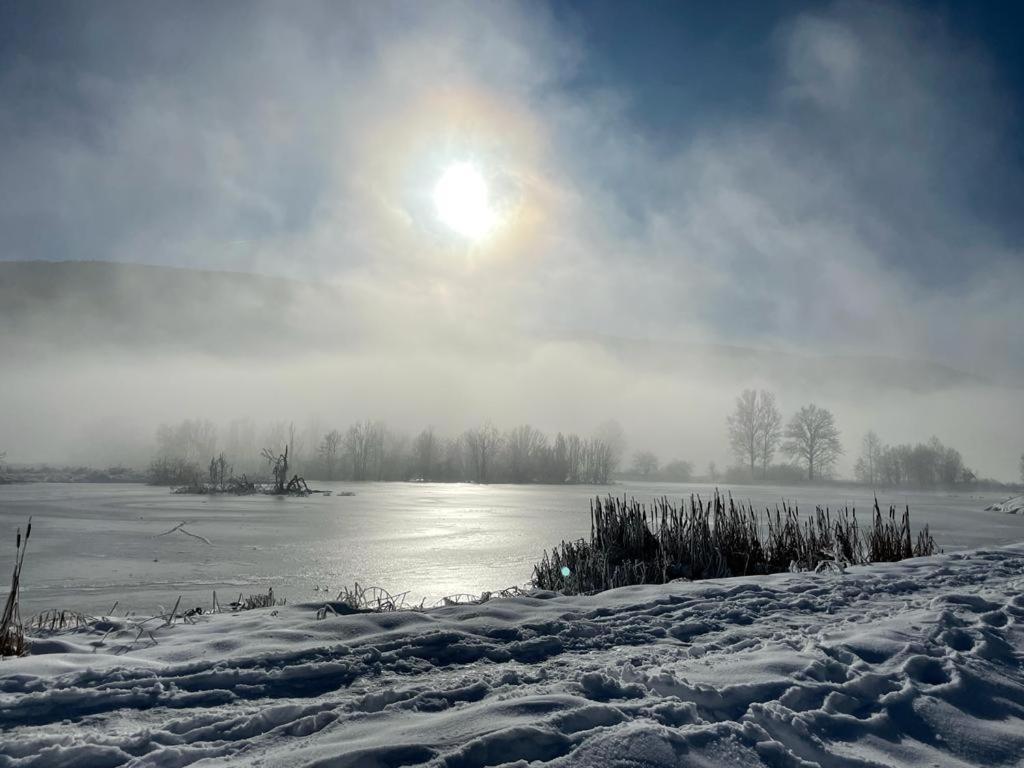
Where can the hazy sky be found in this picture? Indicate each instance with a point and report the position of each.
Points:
(823, 179)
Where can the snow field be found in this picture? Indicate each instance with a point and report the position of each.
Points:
(906, 664)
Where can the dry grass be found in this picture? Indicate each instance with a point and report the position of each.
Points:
(633, 544)
(360, 599)
(126, 631)
(12, 633)
(260, 600)
(57, 619)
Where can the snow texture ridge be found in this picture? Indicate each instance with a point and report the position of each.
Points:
(906, 664)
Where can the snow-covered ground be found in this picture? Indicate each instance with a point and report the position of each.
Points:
(1011, 506)
(911, 664)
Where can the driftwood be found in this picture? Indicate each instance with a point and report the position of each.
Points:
(181, 528)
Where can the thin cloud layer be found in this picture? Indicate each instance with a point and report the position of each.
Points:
(858, 209)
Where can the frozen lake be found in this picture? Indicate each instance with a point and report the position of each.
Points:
(94, 544)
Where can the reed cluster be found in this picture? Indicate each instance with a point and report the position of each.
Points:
(259, 600)
(12, 633)
(632, 543)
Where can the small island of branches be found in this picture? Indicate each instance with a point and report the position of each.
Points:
(222, 480)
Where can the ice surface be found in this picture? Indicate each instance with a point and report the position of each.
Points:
(92, 545)
(909, 664)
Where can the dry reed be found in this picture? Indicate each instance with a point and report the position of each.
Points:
(633, 544)
(260, 600)
(12, 633)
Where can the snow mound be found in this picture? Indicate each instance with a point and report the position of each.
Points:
(1012, 506)
(906, 664)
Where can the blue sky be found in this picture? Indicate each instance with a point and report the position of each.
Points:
(687, 65)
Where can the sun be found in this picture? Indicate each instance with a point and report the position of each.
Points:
(462, 201)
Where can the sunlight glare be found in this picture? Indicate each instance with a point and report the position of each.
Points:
(462, 201)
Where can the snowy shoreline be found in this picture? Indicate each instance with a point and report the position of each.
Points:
(1011, 506)
(911, 663)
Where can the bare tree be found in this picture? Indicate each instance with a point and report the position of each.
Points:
(364, 447)
(613, 436)
(524, 444)
(329, 451)
(481, 444)
(755, 429)
(645, 463)
(1021, 467)
(219, 470)
(357, 448)
(425, 449)
(744, 432)
(951, 469)
(574, 458)
(278, 467)
(813, 439)
(712, 472)
(558, 469)
(599, 461)
(769, 425)
(868, 466)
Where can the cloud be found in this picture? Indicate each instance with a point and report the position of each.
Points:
(841, 217)
(859, 209)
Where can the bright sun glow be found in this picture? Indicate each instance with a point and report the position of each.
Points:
(462, 201)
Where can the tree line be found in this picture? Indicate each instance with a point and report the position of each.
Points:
(809, 441)
(370, 450)
(925, 465)
(812, 442)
